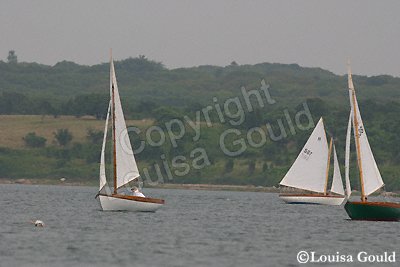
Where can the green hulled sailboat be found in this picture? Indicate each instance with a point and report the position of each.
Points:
(370, 177)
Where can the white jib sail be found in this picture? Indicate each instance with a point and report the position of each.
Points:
(309, 169)
(337, 184)
(127, 169)
(103, 178)
(347, 157)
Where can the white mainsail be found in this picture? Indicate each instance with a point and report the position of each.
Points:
(309, 169)
(103, 178)
(371, 176)
(127, 169)
(347, 157)
(337, 184)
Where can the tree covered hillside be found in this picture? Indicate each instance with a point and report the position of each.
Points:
(31, 88)
(205, 106)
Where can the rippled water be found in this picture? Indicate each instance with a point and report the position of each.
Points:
(195, 228)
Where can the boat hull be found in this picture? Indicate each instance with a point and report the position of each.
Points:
(128, 203)
(373, 211)
(312, 199)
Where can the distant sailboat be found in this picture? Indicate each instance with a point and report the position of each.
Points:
(310, 172)
(125, 169)
(370, 177)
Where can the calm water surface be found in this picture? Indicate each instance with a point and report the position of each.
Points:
(195, 228)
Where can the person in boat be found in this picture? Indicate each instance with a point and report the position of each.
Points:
(136, 192)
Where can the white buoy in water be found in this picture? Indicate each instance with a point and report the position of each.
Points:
(38, 223)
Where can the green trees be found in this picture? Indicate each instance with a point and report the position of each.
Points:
(94, 136)
(229, 166)
(166, 114)
(32, 140)
(87, 104)
(63, 137)
(15, 103)
(145, 85)
(149, 90)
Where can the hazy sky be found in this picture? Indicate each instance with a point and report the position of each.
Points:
(190, 33)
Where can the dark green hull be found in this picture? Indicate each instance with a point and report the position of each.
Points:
(373, 211)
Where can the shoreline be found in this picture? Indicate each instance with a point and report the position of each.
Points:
(214, 187)
(210, 187)
(42, 182)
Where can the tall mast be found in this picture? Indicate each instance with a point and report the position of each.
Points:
(113, 123)
(327, 166)
(356, 133)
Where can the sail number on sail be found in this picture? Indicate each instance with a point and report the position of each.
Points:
(360, 130)
(307, 153)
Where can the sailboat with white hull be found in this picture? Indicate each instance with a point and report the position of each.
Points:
(310, 172)
(370, 177)
(125, 169)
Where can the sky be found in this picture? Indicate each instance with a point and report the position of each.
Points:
(180, 33)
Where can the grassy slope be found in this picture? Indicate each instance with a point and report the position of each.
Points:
(38, 163)
(15, 127)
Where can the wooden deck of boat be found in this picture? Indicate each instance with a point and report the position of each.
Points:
(135, 198)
